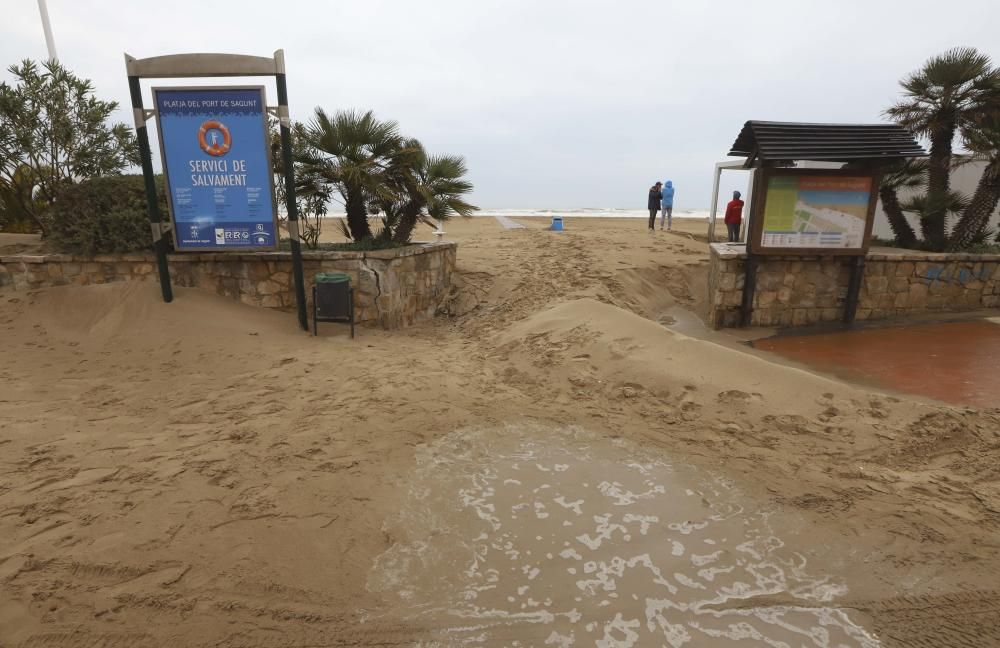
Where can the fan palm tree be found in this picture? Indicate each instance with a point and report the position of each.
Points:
(435, 188)
(391, 204)
(357, 154)
(953, 203)
(984, 141)
(909, 175)
(940, 99)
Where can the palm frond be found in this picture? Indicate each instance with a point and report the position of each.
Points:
(910, 175)
(952, 202)
(982, 134)
(945, 89)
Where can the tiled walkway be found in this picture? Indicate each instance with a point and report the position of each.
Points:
(955, 362)
(508, 223)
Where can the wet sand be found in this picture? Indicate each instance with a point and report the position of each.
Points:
(201, 473)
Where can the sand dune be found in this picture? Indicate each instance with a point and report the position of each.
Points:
(202, 473)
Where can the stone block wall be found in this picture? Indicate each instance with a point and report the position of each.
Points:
(392, 288)
(799, 291)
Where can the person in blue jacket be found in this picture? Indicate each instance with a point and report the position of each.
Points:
(667, 205)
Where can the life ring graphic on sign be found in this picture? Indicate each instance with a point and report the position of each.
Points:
(215, 148)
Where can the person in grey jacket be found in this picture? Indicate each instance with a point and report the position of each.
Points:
(667, 205)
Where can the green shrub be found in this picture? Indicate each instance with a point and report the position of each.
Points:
(102, 215)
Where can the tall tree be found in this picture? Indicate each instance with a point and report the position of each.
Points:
(51, 123)
(357, 154)
(435, 188)
(940, 99)
(908, 176)
(983, 140)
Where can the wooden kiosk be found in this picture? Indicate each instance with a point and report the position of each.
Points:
(815, 191)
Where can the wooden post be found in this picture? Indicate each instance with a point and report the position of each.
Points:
(755, 216)
(854, 288)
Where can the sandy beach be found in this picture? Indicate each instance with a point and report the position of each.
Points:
(564, 456)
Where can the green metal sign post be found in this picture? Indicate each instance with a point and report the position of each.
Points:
(152, 202)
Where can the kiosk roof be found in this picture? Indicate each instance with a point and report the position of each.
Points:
(779, 141)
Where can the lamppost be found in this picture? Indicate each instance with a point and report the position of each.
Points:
(50, 42)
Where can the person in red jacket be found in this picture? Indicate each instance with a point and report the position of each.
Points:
(734, 217)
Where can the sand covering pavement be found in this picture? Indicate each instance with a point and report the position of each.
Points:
(200, 473)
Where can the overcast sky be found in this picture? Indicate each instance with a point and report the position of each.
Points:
(554, 104)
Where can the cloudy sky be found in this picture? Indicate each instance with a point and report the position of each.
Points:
(554, 104)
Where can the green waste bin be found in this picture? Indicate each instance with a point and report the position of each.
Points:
(332, 277)
(333, 299)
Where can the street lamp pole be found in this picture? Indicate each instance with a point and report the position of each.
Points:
(50, 42)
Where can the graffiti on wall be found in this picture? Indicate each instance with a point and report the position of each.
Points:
(952, 274)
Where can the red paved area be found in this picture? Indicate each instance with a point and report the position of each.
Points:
(955, 362)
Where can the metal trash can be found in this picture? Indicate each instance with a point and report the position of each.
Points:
(557, 224)
(333, 299)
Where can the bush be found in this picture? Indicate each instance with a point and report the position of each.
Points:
(102, 215)
(53, 132)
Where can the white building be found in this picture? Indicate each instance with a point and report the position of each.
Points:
(963, 179)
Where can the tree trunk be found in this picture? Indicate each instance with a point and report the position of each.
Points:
(901, 229)
(407, 223)
(357, 216)
(933, 223)
(976, 216)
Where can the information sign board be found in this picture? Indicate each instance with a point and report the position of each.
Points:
(814, 211)
(217, 164)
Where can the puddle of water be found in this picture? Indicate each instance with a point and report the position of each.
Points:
(954, 362)
(532, 536)
(683, 320)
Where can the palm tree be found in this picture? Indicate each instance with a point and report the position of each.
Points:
(953, 203)
(358, 155)
(909, 175)
(435, 188)
(940, 99)
(984, 141)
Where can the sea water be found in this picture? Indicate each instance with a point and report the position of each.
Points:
(589, 212)
(575, 212)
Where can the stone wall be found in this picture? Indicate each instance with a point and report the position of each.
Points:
(392, 288)
(798, 291)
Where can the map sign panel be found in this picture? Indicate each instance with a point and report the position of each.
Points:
(218, 167)
(816, 212)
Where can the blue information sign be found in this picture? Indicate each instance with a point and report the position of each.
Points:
(218, 167)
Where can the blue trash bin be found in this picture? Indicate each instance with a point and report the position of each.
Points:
(556, 224)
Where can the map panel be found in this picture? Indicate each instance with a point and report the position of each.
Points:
(816, 212)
